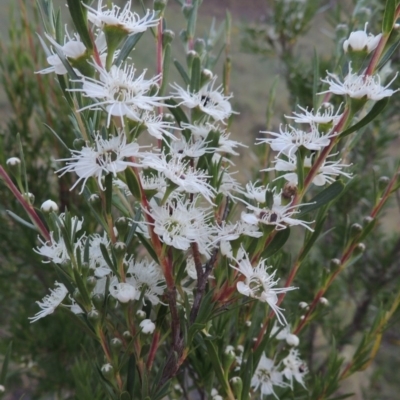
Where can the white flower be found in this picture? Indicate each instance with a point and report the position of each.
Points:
(181, 148)
(48, 206)
(289, 140)
(148, 279)
(358, 86)
(104, 155)
(294, 368)
(123, 291)
(227, 183)
(278, 215)
(50, 302)
(211, 102)
(154, 182)
(266, 377)
(147, 326)
(12, 161)
(260, 285)
(188, 179)
(157, 127)
(123, 19)
(96, 258)
(324, 115)
(359, 41)
(327, 172)
(120, 93)
(179, 223)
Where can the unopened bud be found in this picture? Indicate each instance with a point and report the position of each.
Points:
(184, 36)
(120, 249)
(147, 326)
(355, 230)
(335, 263)
(187, 10)
(107, 370)
(190, 56)
(2, 389)
(303, 305)
(127, 335)
(91, 283)
(206, 76)
(383, 182)
(199, 45)
(167, 36)
(360, 248)
(159, 5)
(367, 220)
(30, 197)
(122, 225)
(292, 340)
(13, 162)
(78, 144)
(324, 301)
(237, 385)
(289, 190)
(168, 117)
(93, 315)
(98, 300)
(140, 315)
(49, 206)
(116, 343)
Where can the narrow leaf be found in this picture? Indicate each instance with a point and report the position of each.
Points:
(78, 17)
(388, 16)
(277, 243)
(6, 361)
(20, 220)
(127, 47)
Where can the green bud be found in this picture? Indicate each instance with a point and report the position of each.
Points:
(159, 5)
(367, 220)
(228, 357)
(335, 264)
(167, 37)
(29, 197)
(187, 10)
(355, 230)
(107, 370)
(199, 45)
(168, 117)
(93, 315)
(98, 300)
(91, 283)
(184, 36)
(324, 301)
(77, 296)
(383, 181)
(359, 249)
(127, 335)
(206, 76)
(120, 249)
(141, 315)
(122, 225)
(190, 56)
(78, 144)
(237, 386)
(116, 344)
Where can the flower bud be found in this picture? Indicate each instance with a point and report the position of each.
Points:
(355, 230)
(168, 117)
(383, 181)
(91, 283)
(122, 225)
(206, 76)
(199, 45)
(13, 162)
(30, 197)
(147, 326)
(141, 315)
(2, 389)
(324, 301)
(127, 335)
(228, 357)
(190, 56)
(303, 305)
(187, 10)
(159, 5)
(116, 343)
(78, 144)
(77, 296)
(167, 37)
(367, 220)
(107, 370)
(237, 385)
(98, 300)
(292, 340)
(289, 190)
(49, 206)
(184, 36)
(335, 264)
(93, 315)
(359, 249)
(120, 249)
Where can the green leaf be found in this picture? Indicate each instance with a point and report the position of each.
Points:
(148, 246)
(195, 76)
(166, 65)
(277, 243)
(374, 112)
(107, 258)
(6, 361)
(132, 230)
(21, 221)
(182, 72)
(316, 80)
(132, 182)
(78, 16)
(327, 195)
(215, 361)
(131, 375)
(388, 16)
(127, 47)
(177, 112)
(246, 376)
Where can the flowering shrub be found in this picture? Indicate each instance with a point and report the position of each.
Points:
(180, 276)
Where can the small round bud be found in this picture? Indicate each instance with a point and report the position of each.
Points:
(127, 335)
(167, 36)
(360, 248)
(383, 182)
(167, 117)
(184, 35)
(237, 385)
(159, 5)
(147, 326)
(120, 248)
(93, 315)
(303, 305)
(289, 190)
(335, 263)
(206, 76)
(367, 220)
(122, 225)
(190, 56)
(86, 267)
(98, 300)
(49, 206)
(30, 197)
(248, 323)
(78, 144)
(324, 301)
(240, 348)
(2, 389)
(199, 45)
(302, 317)
(91, 282)
(107, 370)
(292, 340)
(13, 161)
(77, 295)
(116, 343)
(187, 10)
(355, 230)
(140, 315)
